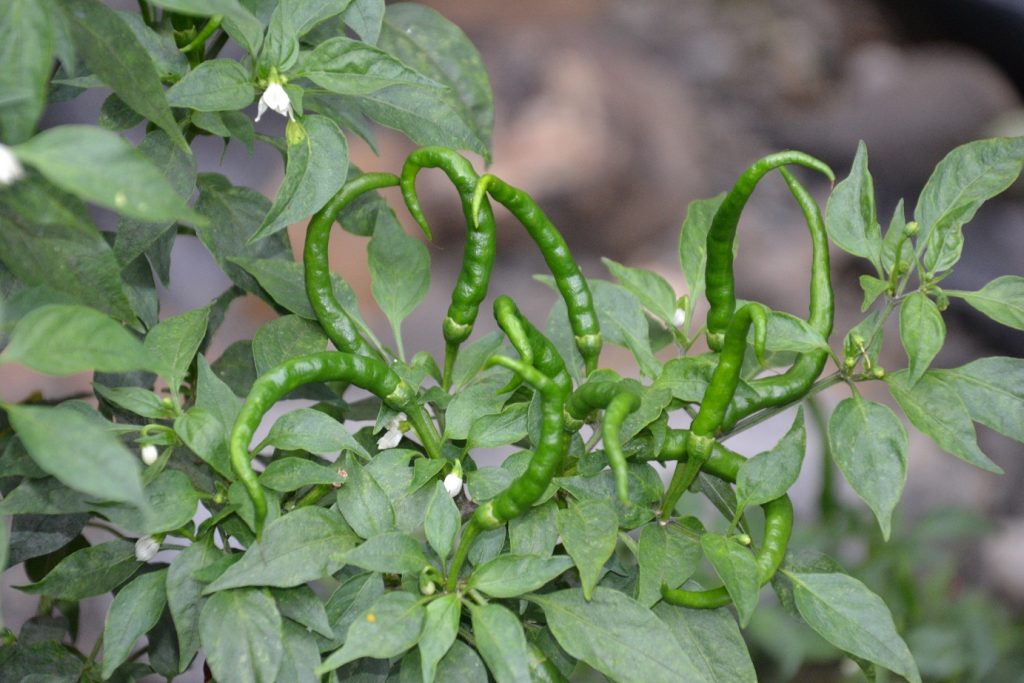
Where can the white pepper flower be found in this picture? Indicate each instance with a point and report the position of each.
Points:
(276, 99)
(146, 548)
(393, 436)
(149, 454)
(679, 317)
(10, 167)
(453, 484)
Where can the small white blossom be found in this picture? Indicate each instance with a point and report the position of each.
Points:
(679, 317)
(146, 548)
(149, 454)
(10, 167)
(276, 99)
(453, 484)
(393, 436)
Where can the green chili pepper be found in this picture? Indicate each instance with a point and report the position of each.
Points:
(542, 669)
(778, 523)
(478, 255)
(533, 347)
(333, 318)
(717, 398)
(526, 489)
(570, 281)
(618, 409)
(718, 275)
(367, 373)
(797, 380)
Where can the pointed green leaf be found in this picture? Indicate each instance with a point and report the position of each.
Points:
(184, 596)
(442, 522)
(651, 289)
(364, 503)
(135, 610)
(365, 17)
(713, 640)
(993, 391)
(848, 615)
(1001, 299)
(284, 338)
(693, 238)
(869, 443)
(589, 531)
(215, 85)
(241, 634)
(737, 567)
(79, 452)
(389, 627)
(350, 67)
(94, 570)
(399, 272)
(770, 474)
(500, 640)
(922, 333)
(311, 430)
(535, 532)
(392, 552)
(850, 215)
(62, 339)
(26, 40)
(440, 629)
(173, 344)
(509, 576)
(668, 556)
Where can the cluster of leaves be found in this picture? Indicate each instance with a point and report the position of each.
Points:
(350, 585)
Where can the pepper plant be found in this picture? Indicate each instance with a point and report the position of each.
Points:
(359, 538)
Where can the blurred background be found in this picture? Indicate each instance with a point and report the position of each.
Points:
(615, 115)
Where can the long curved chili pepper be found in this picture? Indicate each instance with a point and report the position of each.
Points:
(534, 348)
(570, 281)
(332, 317)
(778, 523)
(797, 380)
(528, 487)
(718, 276)
(478, 254)
(367, 373)
(717, 397)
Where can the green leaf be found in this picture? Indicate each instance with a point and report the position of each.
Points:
(473, 402)
(316, 170)
(239, 23)
(472, 358)
(204, 434)
(302, 605)
(873, 288)
(47, 240)
(922, 333)
(292, 474)
(364, 503)
(130, 184)
(173, 344)
(38, 535)
(617, 636)
(26, 40)
(399, 272)
(869, 443)
(285, 282)
(500, 640)
(305, 545)
(87, 572)
(299, 654)
(788, 333)
(622, 323)
(305, 15)
(241, 635)
(714, 641)
(235, 213)
(737, 567)
(185, 595)
(693, 238)
(442, 521)
(1001, 299)
(215, 85)
(285, 338)
(350, 67)
(136, 237)
(392, 552)
(509, 576)
(79, 452)
(993, 391)
(850, 215)
(389, 627)
(668, 556)
(423, 39)
(62, 339)
(770, 474)
(535, 532)
(169, 61)
(897, 225)
(135, 610)
(440, 629)
(365, 17)
(648, 287)
(848, 615)
(960, 184)
(310, 430)
(507, 427)
(227, 124)
(43, 497)
(589, 531)
(936, 409)
(112, 52)
(281, 43)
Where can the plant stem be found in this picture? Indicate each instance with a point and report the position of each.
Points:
(465, 543)
(424, 428)
(200, 40)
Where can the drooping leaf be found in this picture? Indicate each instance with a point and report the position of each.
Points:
(173, 344)
(869, 443)
(26, 40)
(135, 610)
(185, 595)
(350, 67)
(93, 570)
(848, 615)
(440, 629)
(500, 639)
(693, 238)
(850, 215)
(922, 333)
(668, 556)
(993, 391)
(770, 474)
(1001, 299)
(442, 521)
(738, 569)
(713, 640)
(589, 531)
(399, 272)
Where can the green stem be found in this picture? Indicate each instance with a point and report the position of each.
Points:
(313, 496)
(827, 503)
(461, 553)
(199, 41)
(424, 428)
(451, 351)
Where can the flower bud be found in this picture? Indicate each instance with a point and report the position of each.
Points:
(10, 167)
(149, 454)
(679, 317)
(146, 548)
(453, 484)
